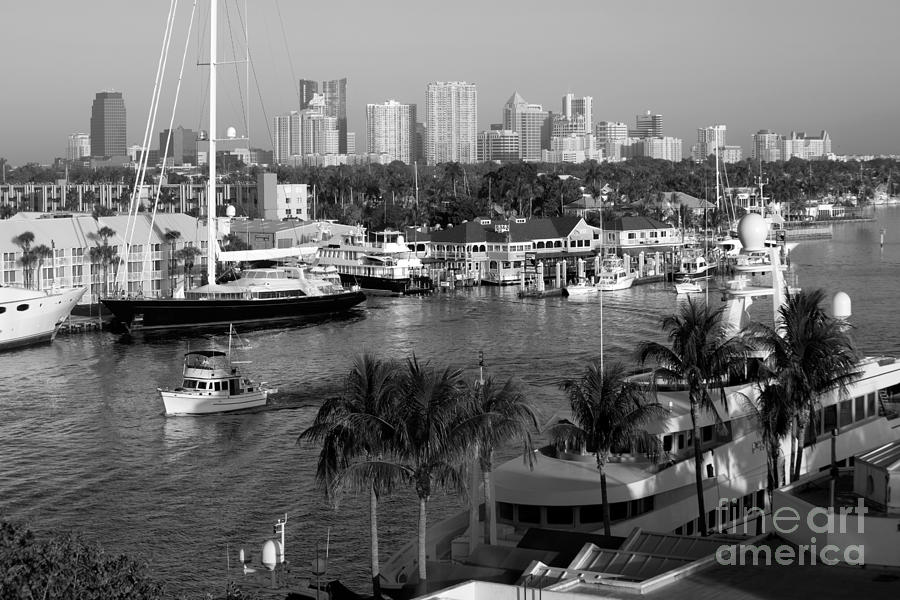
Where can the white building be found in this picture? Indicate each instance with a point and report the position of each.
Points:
(79, 146)
(390, 129)
(766, 146)
(286, 132)
(451, 116)
(665, 148)
(529, 121)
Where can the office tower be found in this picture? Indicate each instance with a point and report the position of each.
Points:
(578, 113)
(308, 89)
(79, 146)
(335, 92)
(766, 146)
(108, 126)
(648, 125)
(531, 122)
(286, 130)
(708, 139)
(390, 129)
(182, 146)
(451, 117)
(498, 145)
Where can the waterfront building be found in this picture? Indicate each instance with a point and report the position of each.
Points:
(335, 93)
(648, 125)
(390, 129)
(286, 136)
(530, 121)
(665, 148)
(498, 145)
(108, 124)
(451, 117)
(766, 146)
(79, 146)
(578, 111)
(182, 146)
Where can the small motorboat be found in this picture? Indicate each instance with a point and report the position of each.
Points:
(688, 287)
(212, 384)
(581, 289)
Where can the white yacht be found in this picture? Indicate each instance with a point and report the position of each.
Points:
(613, 275)
(212, 384)
(32, 316)
(694, 266)
(386, 266)
(658, 492)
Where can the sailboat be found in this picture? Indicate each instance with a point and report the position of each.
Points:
(260, 296)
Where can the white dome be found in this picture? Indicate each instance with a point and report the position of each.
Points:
(840, 306)
(230, 211)
(752, 231)
(271, 554)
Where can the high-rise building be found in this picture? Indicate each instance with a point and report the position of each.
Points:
(79, 146)
(664, 148)
(319, 131)
(805, 146)
(766, 146)
(498, 145)
(648, 125)
(182, 146)
(287, 132)
(708, 139)
(308, 89)
(451, 118)
(390, 130)
(335, 92)
(108, 124)
(609, 131)
(578, 112)
(530, 121)
(351, 142)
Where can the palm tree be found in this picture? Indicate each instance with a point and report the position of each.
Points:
(702, 356)
(41, 252)
(28, 260)
(775, 416)
(103, 253)
(610, 414)
(172, 236)
(499, 414)
(357, 424)
(810, 354)
(188, 254)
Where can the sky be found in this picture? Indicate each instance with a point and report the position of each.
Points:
(784, 65)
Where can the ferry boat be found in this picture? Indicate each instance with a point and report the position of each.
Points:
(212, 384)
(657, 492)
(386, 266)
(613, 275)
(30, 317)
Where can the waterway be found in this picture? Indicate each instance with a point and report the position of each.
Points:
(86, 446)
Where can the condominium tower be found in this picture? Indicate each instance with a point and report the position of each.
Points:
(79, 146)
(451, 117)
(530, 121)
(391, 129)
(648, 125)
(335, 92)
(108, 125)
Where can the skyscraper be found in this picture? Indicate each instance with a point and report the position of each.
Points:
(319, 131)
(708, 139)
(287, 136)
(108, 125)
(308, 88)
(390, 129)
(766, 146)
(182, 146)
(529, 121)
(335, 92)
(79, 146)
(451, 118)
(648, 125)
(578, 112)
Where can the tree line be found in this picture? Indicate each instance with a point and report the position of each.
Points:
(422, 426)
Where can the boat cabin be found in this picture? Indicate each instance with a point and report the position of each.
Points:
(210, 371)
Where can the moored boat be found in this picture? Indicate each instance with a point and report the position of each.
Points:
(32, 316)
(613, 276)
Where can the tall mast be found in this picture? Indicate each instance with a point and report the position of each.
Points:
(211, 157)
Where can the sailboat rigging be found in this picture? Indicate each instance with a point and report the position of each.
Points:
(260, 296)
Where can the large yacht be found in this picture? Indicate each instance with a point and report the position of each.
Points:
(386, 266)
(32, 316)
(658, 492)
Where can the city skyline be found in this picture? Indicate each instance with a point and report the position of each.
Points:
(799, 66)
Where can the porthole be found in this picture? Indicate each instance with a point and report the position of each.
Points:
(2, 309)
(22, 307)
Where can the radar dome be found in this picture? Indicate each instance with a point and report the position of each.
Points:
(230, 211)
(840, 305)
(752, 231)
(271, 553)
(201, 135)
(231, 133)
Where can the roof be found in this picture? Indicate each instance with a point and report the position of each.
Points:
(516, 98)
(636, 223)
(886, 457)
(529, 229)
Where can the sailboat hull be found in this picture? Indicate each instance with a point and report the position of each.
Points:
(177, 313)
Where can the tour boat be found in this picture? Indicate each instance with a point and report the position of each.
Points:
(30, 317)
(386, 267)
(613, 275)
(258, 297)
(657, 492)
(211, 383)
